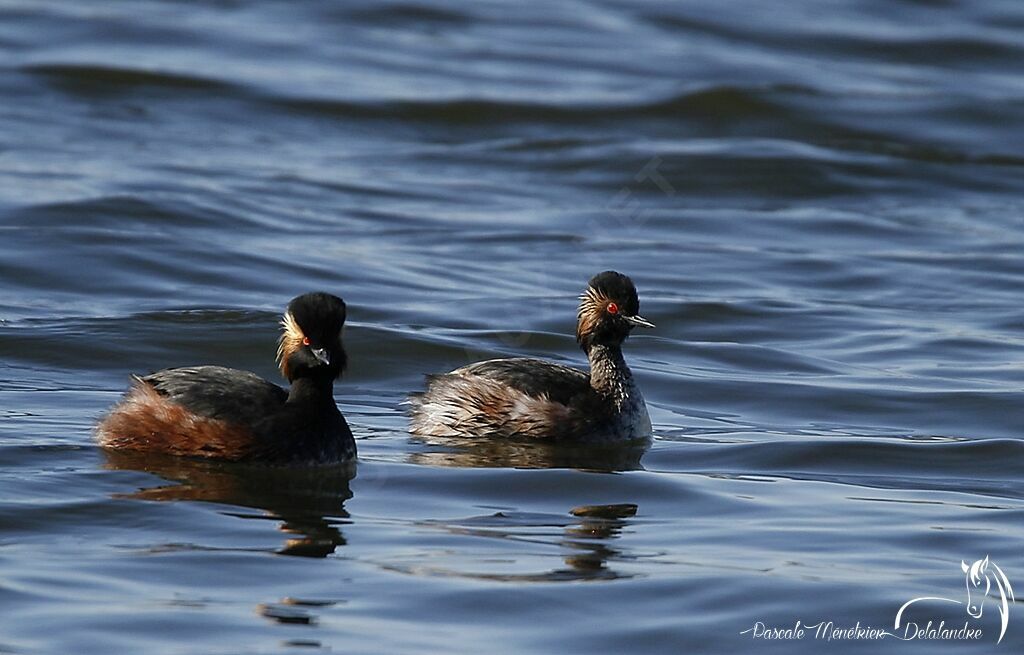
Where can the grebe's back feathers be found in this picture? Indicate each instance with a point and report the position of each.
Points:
(534, 377)
(504, 397)
(217, 392)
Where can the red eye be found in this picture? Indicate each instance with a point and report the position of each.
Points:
(613, 308)
(305, 341)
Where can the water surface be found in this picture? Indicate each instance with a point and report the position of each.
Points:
(820, 203)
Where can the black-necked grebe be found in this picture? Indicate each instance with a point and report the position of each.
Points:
(537, 399)
(223, 413)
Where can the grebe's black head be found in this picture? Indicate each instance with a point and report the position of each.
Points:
(609, 310)
(310, 344)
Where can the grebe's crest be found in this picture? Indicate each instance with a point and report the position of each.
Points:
(609, 309)
(311, 334)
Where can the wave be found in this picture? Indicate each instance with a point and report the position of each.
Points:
(90, 79)
(718, 101)
(798, 107)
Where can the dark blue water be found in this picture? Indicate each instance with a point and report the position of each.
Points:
(820, 202)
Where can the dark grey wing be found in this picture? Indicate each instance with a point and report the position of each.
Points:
(534, 377)
(217, 392)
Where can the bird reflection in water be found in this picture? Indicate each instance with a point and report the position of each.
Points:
(597, 525)
(309, 502)
(511, 453)
(587, 535)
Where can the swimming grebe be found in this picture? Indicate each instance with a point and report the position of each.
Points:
(223, 413)
(537, 399)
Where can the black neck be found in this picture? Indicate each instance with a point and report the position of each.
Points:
(609, 374)
(311, 391)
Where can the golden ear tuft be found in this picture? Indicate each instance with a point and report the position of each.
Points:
(592, 306)
(290, 341)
